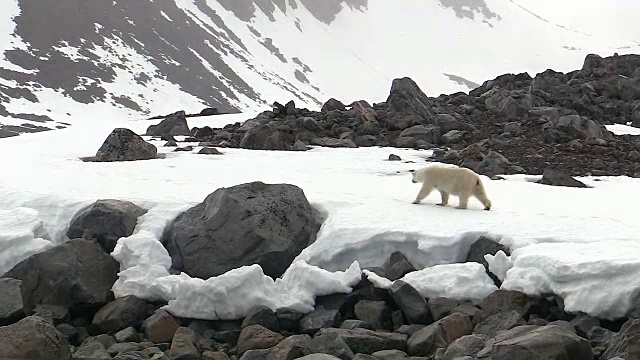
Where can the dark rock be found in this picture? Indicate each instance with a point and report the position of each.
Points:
(410, 329)
(160, 327)
(318, 357)
(600, 338)
(11, 307)
(412, 304)
(209, 151)
(355, 324)
(453, 137)
(262, 315)
(118, 348)
(214, 355)
(624, 344)
(333, 105)
(441, 307)
(203, 133)
(125, 145)
(398, 266)
(333, 142)
(106, 221)
(390, 354)
(106, 340)
(257, 337)
(375, 313)
(171, 144)
(258, 354)
(209, 111)
(290, 108)
(76, 273)
(131, 355)
(292, 347)
(447, 123)
(577, 127)
(485, 246)
(493, 324)
(439, 335)
(277, 222)
(513, 128)
(468, 345)
(430, 134)
(120, 313)
(318, 319)
(299, 146)
(53, 314)
(92, 351)
(493, 163)
(367, 341)
(128, 334)
(394, 157)
(505, 300)
(583, 323)
(406, 142)
(288, 319)
(547, 342)
(183, 345)
(33, 338)
(174, 124)
(470, 310)
(331, 343)
(557, 177)
(168, 138)
(184, 149)
(407, 104)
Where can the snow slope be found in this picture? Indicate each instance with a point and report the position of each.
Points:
(578, 243)
(102, 60)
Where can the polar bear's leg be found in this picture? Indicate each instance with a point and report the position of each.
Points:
(481, 195)
(424, 192)
(445, 198)
(463, 200)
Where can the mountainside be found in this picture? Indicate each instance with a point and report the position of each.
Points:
(64, 62)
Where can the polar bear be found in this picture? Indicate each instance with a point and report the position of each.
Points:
(458, 181)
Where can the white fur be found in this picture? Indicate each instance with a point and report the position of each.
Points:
(461, 182)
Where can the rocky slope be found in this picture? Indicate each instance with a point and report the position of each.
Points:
(511, 124)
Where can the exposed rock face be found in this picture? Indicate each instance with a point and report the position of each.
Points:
(174, 124)
(254, 223)
(125, 145)
(33, 338)
(106, 221)
(76, 273)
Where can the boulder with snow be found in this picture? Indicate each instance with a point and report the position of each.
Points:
(124, 145)
(174, 124)
(556, 177)
(33, 338)
(106, 221)
(76, 273)
(252, 223)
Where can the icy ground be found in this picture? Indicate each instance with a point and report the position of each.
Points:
(581, 244)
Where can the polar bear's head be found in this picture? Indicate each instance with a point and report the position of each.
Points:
(414, 176)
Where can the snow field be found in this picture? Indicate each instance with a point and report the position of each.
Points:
(578, 243)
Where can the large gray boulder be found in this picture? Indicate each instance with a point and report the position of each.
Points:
(407, 105)
(252, 223)
(33, 338)
(106, 221)
(125, 145)
(77, 272)
(546, 342)
(174, 124)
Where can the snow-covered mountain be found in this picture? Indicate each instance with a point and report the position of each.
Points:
(64, 62)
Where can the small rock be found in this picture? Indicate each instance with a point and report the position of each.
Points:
(185, 148)
(557, 177)
(398, 266)
(439, 334)
(394, 157)
(257, 337)
(120, 313)
(546, 342)
(375, 313)
(183, 345)
(318, 319)
(299, 146)
(93, 351)
(288, 319)
(453, 137)
(11, 307)
(209, 151)
(441, 307)
(33, 338)
(171, 143)
(412, 304)
(262, 315)
(292, 347)
(504, 320)
(332, 344)
(160, 327)
(127, 335)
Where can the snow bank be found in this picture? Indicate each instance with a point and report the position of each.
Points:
(370, 216)
(22, 234)
(619, 129)
(464, 281)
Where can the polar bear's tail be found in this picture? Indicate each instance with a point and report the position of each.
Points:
(481, 194)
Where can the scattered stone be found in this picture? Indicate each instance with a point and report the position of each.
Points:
(546, 342)
(288, 319)
(183, 345)
(209, 151)
(171, 143)
(160, 327)
(84, 276)
(441, 307)
(262, 315)
(468, 345)
(501, 321)
(257, 337)
(128, 334)
(33, 338)
(11, 307)
(92, 351)
(318, 319)
(412, 304)
(394, 157)
(187, 148)
(439, 335)
(174, 124)
(120, 313)
(280, 225)
(124, 145)
(557, 177)
(106, 221)
(398, 266)
(375, 313)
